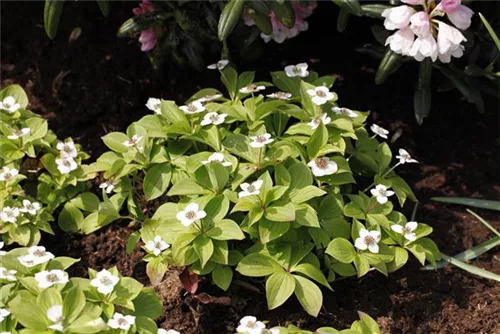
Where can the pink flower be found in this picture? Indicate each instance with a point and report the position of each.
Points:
(420, 24)
(424, 47)
(401, 41)
(458, 14)
(143, 8)
(397, 17)
(449, 5)
(414, 2)
(148, 39)
(449, 42)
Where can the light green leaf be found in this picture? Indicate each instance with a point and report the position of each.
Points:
(147, 304)
(279, 287)
(318, 139)
(341, 250)
(222, 276)
(258, 265)
(86, 201)
(70, 219)
(225, 229)
(115, 140)
(304, 194)
(313, 272)
(308, 294)
(284, 213)
(187, 187)
(204, 248)
(157, 180)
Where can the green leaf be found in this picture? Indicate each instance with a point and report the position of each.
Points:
(459, 80)
(26, 311)
(258, 265)
(422, 94)
(352, 6)
(318, 139)
(127, 288)
(51, 16)
(492, 33)
(341, 250)
(61, 263)
(285, 83)
(301, 176)
(187, 187)
(284, 12)
(145, 325)
(362, 265)
(86, 201)
(74, 303)
(115, 140)
(70, 219)
(17, 92)
(369, 323)
(222, 276)
(157, 180)
(103, 6)
(147, 304)
(132, 241)
(374, 10)
(204, 248)
(472, 269)
(238, 145)
(225, 229)
(38, 127)
(308, 294)
(298, 196)
(269, 231)
(400, 258)
(474, 202)
(389, 64)
(281, 213)
(279, 287)
(229, 18)
(173, 114)
(313, 272)
(156, 269)
(342, 19)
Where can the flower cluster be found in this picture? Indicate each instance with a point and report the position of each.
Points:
(11, 214)
(280, 32)
(421, 34)
(147, 37)
(67, 153)
(250, 325)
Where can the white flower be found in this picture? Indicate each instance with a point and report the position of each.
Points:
(401, 41)
(318, 120)
(9, 104)
(36, 255)
(397, 17)
(218, 158)
(105, 281)
(381, 192)
(250, 189)
(120, 321)
(166, 331)
(261, 140)
(380, 131)
(320, 95)
(48, 278)
(66, 164)
(55, 315)
(67, 149)
(9, 215)
(323, 166)
(154, 104)
(208, 98)
(457, 13)
(7, 173)
(368, 240)
(31, 208)
(2, 253)
(407, 231)
(9, 275)
(405, 157)
(251, 89)
(19, 133)
(157, 245)
(250, 325)
(190, 214)
(219, 65)
(344, 111)
(449, 38)
(299, 70)
(109, 185)
(4, 313)
(213, 118)
(280, 95)
(132, 141)
(193, 108)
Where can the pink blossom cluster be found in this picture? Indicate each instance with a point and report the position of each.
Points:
(147, 37)
(280, 32)
(421, 33)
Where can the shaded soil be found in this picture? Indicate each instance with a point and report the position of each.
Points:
(98, 84)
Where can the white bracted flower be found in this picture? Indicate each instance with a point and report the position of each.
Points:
(55, 315)
(19, 133)
(9, 275)
(397, 17)
(218, 65)
(165, 331)
(318, 120)
(30, 207)
(251, 89)
(250, 325)
(120, 321)
(67, 149)
(250, 189)
(190, 214)
(9, 104)
(9, 215)
(66, 165)
(7, 173)
(36, 255)
(320, 95)
(299, 70)
(280, 96)
(194, 107)
(109, 185)
(208, 98)
(323, 166)
(368, 240)
(408, 231)
(218, 158)
(379, 131)
(213, 118)
(2, 252)
(4, 313)
(261, 140)
(48, 278)
(154, 105)
(381, 193)
(133, 141)
(105, 281)
(157, 245)
(405, 157)
(344, 111)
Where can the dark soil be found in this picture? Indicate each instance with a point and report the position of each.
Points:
(98, 84)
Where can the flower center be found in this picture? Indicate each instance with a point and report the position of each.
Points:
(214, 118)
(191, 215)
(192, 107)
(10, 214)
(381, 192)
(39, 253)
(53, 278)
(122, 321)
(320, 93)
(252, 87)
(105, 281)
(260, 139)
(251, 189)
(296, 70)
(7, 175)
(369, 240)
(406, 230)
(158, 245)
(321, 163)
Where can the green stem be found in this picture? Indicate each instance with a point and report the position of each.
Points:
(384, 175)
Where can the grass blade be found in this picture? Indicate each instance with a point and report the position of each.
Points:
(469, 254)
(471, 269)
(490, 30)
(485, 223)
(474, 202)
